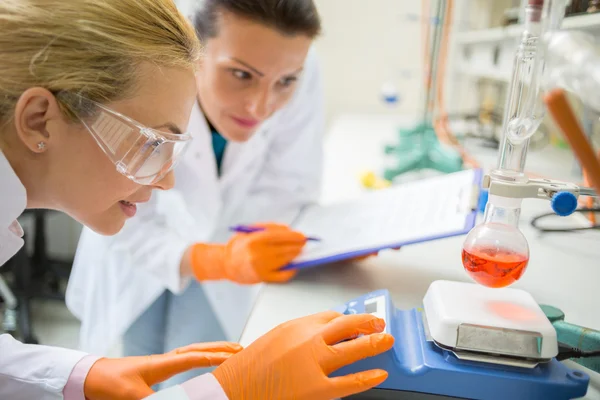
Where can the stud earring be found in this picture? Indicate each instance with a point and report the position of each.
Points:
(41, 146)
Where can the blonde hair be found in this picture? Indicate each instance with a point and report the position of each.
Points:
(89, 47)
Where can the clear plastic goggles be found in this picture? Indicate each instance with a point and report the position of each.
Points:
(142, 154)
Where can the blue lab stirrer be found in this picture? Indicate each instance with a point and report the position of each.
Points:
(419, 369)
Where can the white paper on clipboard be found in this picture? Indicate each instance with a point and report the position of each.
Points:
(413, 212)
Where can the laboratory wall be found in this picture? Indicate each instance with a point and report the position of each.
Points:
(368, 44)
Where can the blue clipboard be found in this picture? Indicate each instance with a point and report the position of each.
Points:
(470, 221)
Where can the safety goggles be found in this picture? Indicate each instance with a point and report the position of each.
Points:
(142, 154)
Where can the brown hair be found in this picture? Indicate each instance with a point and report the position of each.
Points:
(290, 17)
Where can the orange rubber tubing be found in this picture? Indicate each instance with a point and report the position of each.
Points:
(441, 125)
(565, 118)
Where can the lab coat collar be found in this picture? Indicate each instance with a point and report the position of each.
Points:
(201, 156)
(238, 156)
(13, 197)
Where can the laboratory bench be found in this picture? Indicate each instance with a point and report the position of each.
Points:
(564, 268)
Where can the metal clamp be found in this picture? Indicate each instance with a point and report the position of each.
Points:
(533, 189)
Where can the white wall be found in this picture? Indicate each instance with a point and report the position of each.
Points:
(364, 44)
(186, 6)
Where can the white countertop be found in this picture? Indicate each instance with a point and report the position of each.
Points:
(564, 269)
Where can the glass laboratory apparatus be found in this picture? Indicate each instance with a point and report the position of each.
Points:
(524, 109)
(496, 253)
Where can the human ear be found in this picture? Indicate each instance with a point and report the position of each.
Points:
(36, 112)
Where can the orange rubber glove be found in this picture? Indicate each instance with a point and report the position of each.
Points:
(130, 378)
(294, 360)
(249, 258)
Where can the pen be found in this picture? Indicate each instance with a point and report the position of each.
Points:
(250, 229)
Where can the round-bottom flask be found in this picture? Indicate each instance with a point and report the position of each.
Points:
(495, 253)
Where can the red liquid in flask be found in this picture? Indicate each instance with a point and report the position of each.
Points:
(493, 267)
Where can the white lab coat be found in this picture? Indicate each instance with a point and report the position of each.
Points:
(26, 371)
(42, 372)
(269, 178)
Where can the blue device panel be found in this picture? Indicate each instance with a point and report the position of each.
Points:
(417, 365)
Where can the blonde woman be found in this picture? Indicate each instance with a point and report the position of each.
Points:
(95, 98)
(79, 89)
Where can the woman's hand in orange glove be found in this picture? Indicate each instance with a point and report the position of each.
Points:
(248, 258)
(130, 378)
(294, 360)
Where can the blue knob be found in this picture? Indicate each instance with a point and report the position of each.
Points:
(564, 203)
